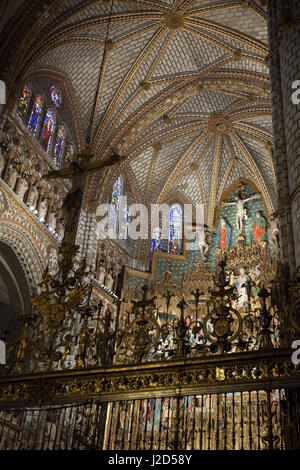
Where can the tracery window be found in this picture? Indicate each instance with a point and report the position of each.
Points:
(24, 101)
(45, 125)
(115, 205)
(59, 144)
(48, 129)
(35, 115)
(175, 234)
(55, 96)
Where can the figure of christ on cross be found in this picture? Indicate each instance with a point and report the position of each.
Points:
(77, 173)
(241, 211)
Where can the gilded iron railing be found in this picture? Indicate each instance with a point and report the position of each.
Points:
(250, 420)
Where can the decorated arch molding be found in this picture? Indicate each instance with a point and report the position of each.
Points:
(26, 254)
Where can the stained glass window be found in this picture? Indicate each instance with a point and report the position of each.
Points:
(175, 236)
(59, 143)
(48, 129)
(55, 96)
(115, 206)
(116, 193)
(35, 115)
(157, 240)
(24, 101)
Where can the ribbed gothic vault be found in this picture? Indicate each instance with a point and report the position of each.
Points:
(183, 92)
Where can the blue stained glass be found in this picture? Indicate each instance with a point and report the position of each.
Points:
(115, 206)
(35, 115)
(55, 96)
(157, 240)
(175, 236)
(116, 193)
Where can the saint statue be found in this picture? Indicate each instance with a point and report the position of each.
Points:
(223, 234)
(33, 196)
(13, 175)
(110, 280)
(241, 284)
(204, 245)
(174, 246)
(274, 236)
(22, 187)
(102, 272)
(43, 209)
(259, 226)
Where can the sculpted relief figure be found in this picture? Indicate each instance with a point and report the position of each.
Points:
(13, 175)
(60, 228)
(205, 244)
(110, 280)
(52, 220)
(22, 187)
(33, 197)
(43, 209)
(274, 237)
(102, 271)
(241, 284)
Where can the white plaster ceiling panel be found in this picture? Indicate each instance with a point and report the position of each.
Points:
(205, 169)
(224, 161)
(208, 101)
(244, 64)
(239, 155)
(168, 157)
(190, 54)
(140, 167)
(133, 86)
(235, 173)
(260, 154)
(121, 58)
(243, 19)
(190, 185)
(265, 123)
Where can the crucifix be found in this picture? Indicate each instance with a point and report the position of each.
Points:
(77, 172)
(241, 212)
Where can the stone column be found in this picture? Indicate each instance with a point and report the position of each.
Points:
(284, 61)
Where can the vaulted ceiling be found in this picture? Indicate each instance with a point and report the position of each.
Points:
(181, 87)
